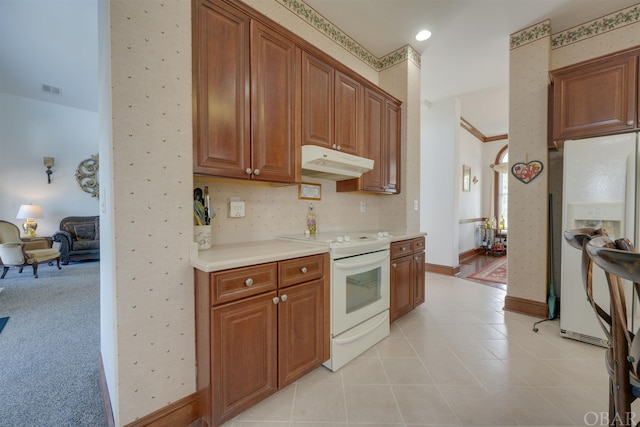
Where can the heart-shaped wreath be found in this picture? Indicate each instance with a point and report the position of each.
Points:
(527, 172)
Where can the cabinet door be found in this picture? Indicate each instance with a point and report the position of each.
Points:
(221, 77)
(374, 112)
(402, 276)
(391, 183)
(419, 280)
(348, 114)
(243, 354)
(275, 142)
(300, 330)
(595, 99)
(317, 102)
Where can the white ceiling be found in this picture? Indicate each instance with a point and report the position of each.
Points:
(55, 42)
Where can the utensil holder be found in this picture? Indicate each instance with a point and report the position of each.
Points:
(202, 236)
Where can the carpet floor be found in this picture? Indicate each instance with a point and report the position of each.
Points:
(49, 350)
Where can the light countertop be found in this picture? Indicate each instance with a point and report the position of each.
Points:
(234, 255)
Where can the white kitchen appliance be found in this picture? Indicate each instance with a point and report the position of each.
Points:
(599, 191)
(360, 289)
(330, 164)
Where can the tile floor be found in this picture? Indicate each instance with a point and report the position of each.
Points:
(457, 360)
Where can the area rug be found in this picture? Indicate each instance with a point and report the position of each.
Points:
(495, 272)
(3, 321)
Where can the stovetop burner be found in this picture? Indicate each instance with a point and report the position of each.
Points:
(346, 244)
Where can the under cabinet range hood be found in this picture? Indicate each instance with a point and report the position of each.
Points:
(335, 165)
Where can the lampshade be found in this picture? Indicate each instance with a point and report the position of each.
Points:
(29, 211)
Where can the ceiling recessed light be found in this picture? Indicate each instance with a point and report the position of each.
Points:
(423, 35)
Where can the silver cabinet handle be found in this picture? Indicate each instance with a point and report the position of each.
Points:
(403, 249)
(283, 298)
(394, 265)
(248, 171)
(630, 123)
(276, 300)
(256, 171)
(249, 281)
(303, 270)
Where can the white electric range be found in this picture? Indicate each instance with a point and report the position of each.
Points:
(360, 278)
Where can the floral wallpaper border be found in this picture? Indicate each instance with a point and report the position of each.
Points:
(319, 22)
(607, 23)
(530, 34)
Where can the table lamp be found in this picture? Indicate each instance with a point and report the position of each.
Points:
(29, 212)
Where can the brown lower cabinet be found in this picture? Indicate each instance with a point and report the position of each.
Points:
(272, 331)
(407, 276)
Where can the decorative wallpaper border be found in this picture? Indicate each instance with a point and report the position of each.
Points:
(529, 35)
(319, 22)
(605, 24)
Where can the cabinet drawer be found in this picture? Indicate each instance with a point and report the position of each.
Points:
(402, 248)
(418, 244)
(242, 282)
(300, 270)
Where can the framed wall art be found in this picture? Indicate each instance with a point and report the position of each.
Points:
(309, 191)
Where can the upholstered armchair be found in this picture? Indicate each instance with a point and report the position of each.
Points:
(14, 252)
(79, 238)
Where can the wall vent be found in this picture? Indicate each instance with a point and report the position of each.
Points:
(51, 89)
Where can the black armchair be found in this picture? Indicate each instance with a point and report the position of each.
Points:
(79, 238)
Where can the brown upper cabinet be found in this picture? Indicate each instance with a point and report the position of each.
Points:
(597, 97)
(245, 121)
(381, 143)
(260, 92)
(331, 107)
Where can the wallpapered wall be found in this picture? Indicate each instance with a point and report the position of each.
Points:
(535, 51)
(153, 350)
(527, 261)
(152, 204)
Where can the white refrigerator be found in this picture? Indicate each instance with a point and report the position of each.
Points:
(599, 190)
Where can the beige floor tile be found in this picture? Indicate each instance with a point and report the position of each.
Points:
(395, 347)
(423, 404)
(322, 375)
(371, 403)
(319, 402)
(276, 407)
(494, 373)
(406, 371)
(539, 372)
(449, 371)
(364, 371)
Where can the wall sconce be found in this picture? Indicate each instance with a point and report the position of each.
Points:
(29, 212)
(48, 163)
(474, 180)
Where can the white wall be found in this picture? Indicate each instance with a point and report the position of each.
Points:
(30, 130)
(471, 149)
(440, 180)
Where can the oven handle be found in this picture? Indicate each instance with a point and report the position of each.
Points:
(383, 319)
(348, 264)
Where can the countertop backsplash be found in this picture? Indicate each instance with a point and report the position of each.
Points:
(274, 210)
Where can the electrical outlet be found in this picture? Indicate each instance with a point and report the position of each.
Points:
(363, 206)
(415, 205)
(236, 210)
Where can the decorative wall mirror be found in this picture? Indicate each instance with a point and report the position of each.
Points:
(87, 176)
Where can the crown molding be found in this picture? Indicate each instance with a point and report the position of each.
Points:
(322, 24)
(464, 123)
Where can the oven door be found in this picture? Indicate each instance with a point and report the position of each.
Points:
(359, 289)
